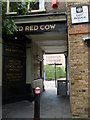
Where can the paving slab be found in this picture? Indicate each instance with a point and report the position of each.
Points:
(51, 106)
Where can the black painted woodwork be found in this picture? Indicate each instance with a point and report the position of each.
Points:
(14, 87)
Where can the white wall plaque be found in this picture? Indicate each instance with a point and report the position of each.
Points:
(79, 14)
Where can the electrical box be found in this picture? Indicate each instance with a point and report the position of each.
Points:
(61, 87)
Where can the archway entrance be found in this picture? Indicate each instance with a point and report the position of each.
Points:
(49, 38)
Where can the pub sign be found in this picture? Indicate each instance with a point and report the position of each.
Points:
(79, 14)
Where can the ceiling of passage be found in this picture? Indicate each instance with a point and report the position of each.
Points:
(51, 42)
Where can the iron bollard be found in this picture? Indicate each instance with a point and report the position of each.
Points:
(37, 104)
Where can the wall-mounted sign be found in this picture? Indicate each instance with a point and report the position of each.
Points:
(79, 14)
(42, 27)
(14, 61)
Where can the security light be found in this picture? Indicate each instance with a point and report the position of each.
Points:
(15, 38)
(86, 40)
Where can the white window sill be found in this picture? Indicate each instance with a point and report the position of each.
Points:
(32, 11)
(37, 11)
(11, 13)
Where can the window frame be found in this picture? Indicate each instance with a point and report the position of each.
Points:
(32, 11)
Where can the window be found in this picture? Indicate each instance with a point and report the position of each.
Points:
(36, 6)
(10, 7)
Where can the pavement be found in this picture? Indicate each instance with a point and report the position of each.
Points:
(51, 105)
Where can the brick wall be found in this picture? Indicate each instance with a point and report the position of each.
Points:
(89, 71)
(79, 65)
(89, 83)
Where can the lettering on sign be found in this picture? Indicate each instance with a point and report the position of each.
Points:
(14, 62)
(43, 27)
(79, 14)
(37, 27)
